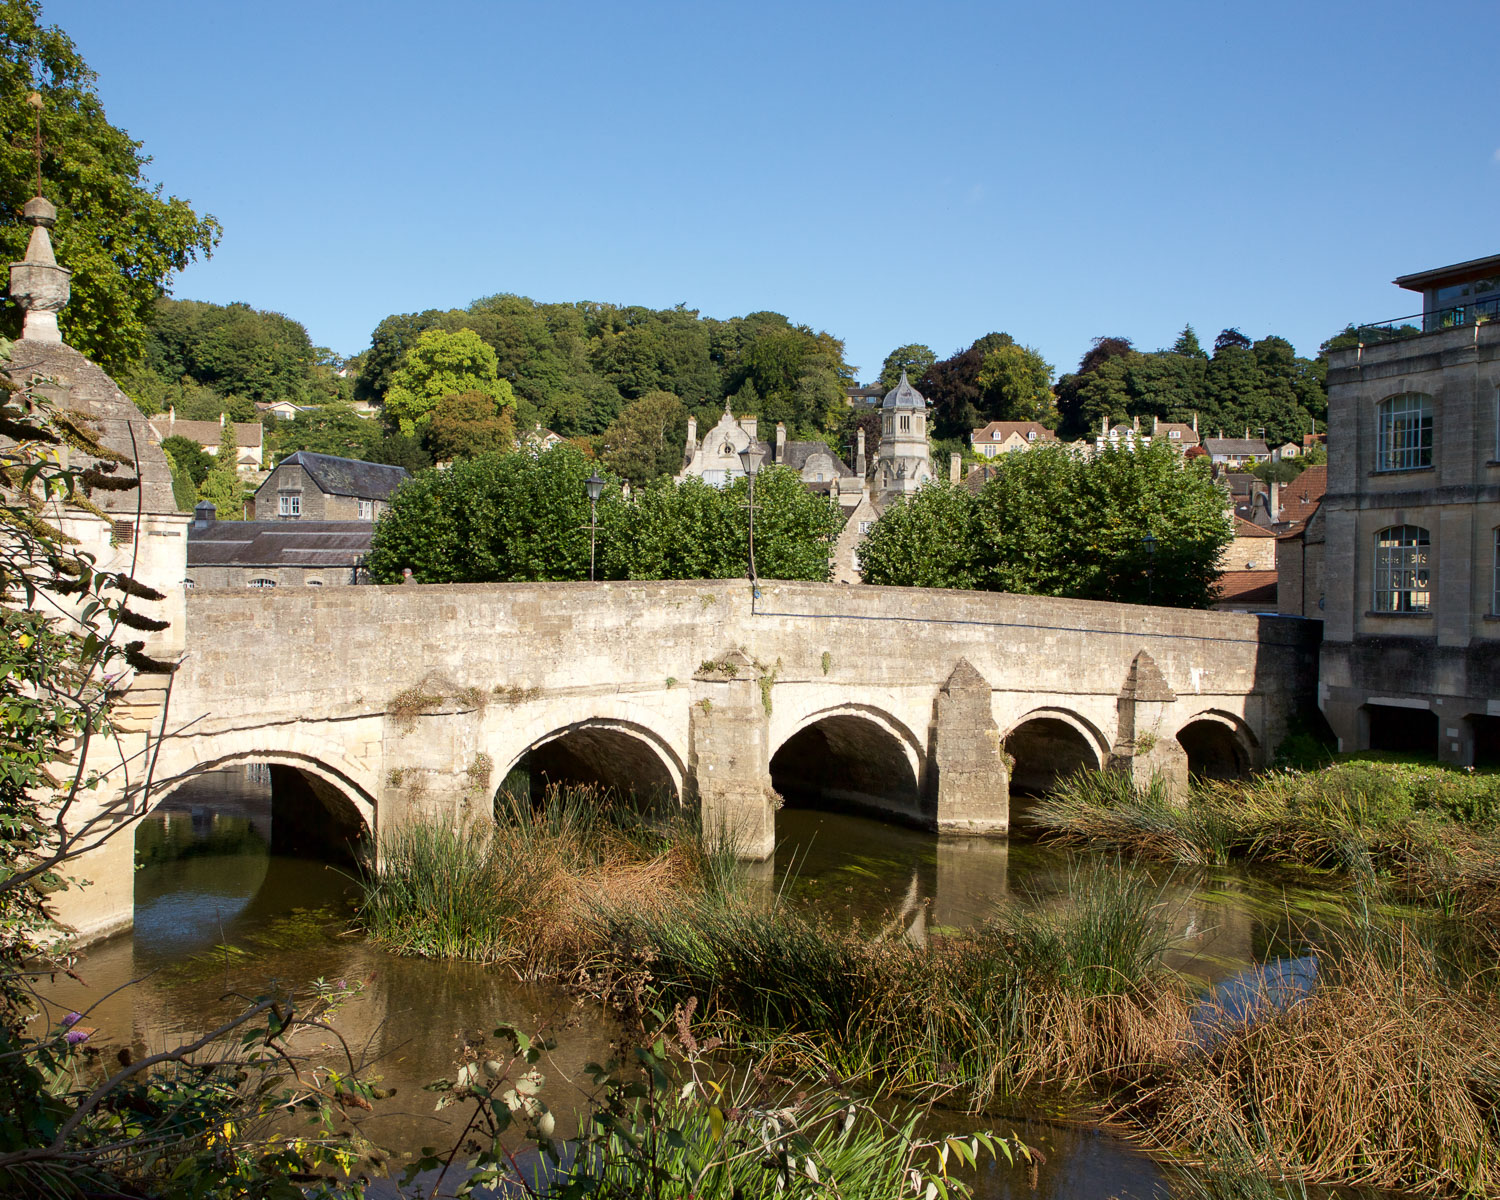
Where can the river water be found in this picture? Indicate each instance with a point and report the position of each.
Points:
(218, 916)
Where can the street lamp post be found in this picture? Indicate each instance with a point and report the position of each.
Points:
(747, 460)
(1149, 543)
(595, 486)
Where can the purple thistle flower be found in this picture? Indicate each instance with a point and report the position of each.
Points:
(71, 1019)
(74, 1036)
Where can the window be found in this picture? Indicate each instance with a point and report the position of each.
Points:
(188, 583)
(1403, 440)
(366, 510)
(314, 583)
(1031, 436)
(1403, 583)
(866, 526)
(905, 424)
(291, 505)
(262, 583)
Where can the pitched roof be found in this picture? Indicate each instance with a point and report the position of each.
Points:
(209, 433)
(1300, 498)
(1235, 446)
(999, 431)
(278, 543)
(1247, 587)
(348, 476)
(797, 453)
(1185, 432)
(1244, 528)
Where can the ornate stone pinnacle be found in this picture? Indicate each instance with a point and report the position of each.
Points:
(37, 284)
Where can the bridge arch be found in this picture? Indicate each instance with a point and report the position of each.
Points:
(1048, 744)
(1218, 744)
(850, 754)
(618, 754)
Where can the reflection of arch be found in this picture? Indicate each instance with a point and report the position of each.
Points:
(619, 755)
(1218, 744)
(849, 754)
(1048, 745)
(337, 777)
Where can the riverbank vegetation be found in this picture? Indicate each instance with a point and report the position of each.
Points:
(1385, 1073)
(1423, 833)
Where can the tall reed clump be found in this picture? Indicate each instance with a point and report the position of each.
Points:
(1426, 829)
(1385, 1076)
(1036, 997)
(520, 889)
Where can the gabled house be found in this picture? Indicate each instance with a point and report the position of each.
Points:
(321, 487)
(249, 437)
(1002, 437)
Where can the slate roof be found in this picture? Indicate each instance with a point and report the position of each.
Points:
(1239, 447)
(797, 454)
(348, 476)
(278, 543)
(1186, 434)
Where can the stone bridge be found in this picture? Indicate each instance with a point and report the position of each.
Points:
(372, 703)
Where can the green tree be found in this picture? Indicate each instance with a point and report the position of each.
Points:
(686, 530)
(1016, 383)
(189, 457)
(914, 359)
(184, 490)
(647, 439)
(468, 425)
(795, 528)
(497, 517)
(442, 364)
(928, 540)
(122, 239)
(952, 386)
(234, 350)
(1187, 344)
(222, 487)
(1052, 522)
(330, 429)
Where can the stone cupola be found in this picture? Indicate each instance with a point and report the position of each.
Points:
(904, 461)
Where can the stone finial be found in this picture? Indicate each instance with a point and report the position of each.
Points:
(38, 285)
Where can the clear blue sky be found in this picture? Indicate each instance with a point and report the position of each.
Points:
(889, 172)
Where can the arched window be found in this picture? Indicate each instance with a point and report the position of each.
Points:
(262, 583)
(1403, 436)
(1403, 582)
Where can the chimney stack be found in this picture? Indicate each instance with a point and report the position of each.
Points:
(692, 438)
(955, 467)
(859, 460)
(780, 441)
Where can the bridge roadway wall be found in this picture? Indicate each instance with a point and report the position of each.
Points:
(405, 698)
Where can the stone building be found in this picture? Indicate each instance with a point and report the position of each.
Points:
(904, 461)
(249, 438)
(1411, 559)
(266, 554)
(1002, 437)
(321, 487)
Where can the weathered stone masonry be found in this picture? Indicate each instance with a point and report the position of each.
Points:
(400, 699)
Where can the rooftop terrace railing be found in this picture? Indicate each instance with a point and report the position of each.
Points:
(1476, 312)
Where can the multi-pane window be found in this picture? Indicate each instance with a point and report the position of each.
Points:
(291, 505)
(1403, 439)
(261, 583)
(1495, 602)
(366, 510)
(1403, 581)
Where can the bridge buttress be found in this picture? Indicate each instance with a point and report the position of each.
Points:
(968, 779)
(1144, 748)
(730, 757)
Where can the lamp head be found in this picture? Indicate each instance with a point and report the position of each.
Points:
(1149, 542)
(595, 486)
(747, 459)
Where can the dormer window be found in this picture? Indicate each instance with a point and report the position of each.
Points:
(1031, 437)
(1174, 433)
(996, 435)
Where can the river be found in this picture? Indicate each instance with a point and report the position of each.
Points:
(218, 915)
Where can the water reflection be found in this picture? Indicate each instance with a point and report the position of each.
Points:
(217, 913)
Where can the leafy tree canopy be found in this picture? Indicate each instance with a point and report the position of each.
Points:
(467, 425)
(122, 239)
(915, 360)
(646, 440)
(190, 457)
(443, 364)
(1053, 522)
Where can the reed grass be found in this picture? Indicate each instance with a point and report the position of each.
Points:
(519, 889)
(1386, 1076)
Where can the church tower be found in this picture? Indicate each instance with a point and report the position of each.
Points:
(904, 462)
